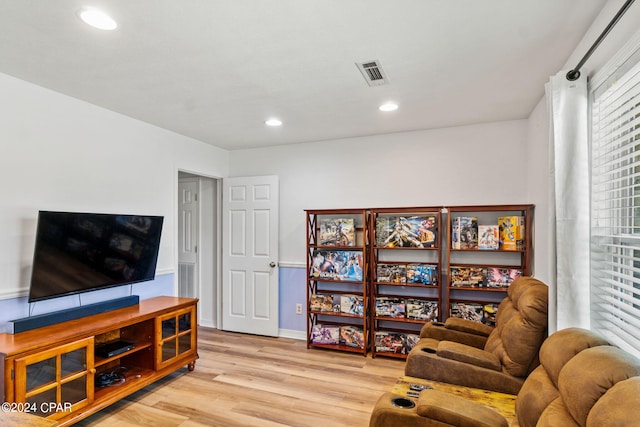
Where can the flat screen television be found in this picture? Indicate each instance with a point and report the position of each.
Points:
(81, 252)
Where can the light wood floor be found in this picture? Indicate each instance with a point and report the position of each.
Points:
(247, 380)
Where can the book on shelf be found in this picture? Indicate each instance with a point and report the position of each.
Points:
(337, 265)
(501, 277)
(337, 232)
(352, 336)
(352, 304)
(489, 237)
(325, 334)
(391, 273)
(511, 232)
(405, 232)
(423, 274)
(418, 309)
(395, 342)
(464, 232)
(321, 302)
(467, 310)
(390, 307)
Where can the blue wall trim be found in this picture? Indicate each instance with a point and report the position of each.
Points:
(293, 285)
(17, 308)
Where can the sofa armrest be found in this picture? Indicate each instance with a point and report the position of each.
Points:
(458, 330)
(457, 411)
(468, 326)
(467, 354)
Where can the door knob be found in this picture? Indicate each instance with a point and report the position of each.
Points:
(272, 264)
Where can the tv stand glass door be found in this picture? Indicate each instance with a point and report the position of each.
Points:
(59, 380)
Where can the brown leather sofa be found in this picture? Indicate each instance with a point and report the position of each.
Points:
(582, 381)
(475, 355)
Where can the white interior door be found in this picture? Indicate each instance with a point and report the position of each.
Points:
(250, 255)
(188, 235)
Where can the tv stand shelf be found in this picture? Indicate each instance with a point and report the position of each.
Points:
(55, 373)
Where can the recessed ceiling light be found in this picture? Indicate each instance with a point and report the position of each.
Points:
(273, 122)
(97, 19)
(389, 106)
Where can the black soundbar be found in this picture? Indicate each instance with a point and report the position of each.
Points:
(34, 322)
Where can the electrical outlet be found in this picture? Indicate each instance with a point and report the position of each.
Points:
(298, 308)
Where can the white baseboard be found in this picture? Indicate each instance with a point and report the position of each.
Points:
(292, 333)
(207, 324)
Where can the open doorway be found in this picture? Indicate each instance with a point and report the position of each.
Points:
(198, 244)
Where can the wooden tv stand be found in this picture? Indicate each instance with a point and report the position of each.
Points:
(52, 371)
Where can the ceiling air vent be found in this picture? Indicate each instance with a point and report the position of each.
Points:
(373, 73)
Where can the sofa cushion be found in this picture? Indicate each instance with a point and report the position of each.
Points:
(536, 394)
(466, 354)
(424, 362)
(561, 346)
(616, 404)
(556, 415)
(463, 325)
(589, 374)
(464, 334)
(521, 326)
(457, 411)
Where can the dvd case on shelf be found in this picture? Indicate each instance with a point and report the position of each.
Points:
(489, 237)
(352, 304)
(337, 265)
(459, 276)
(464, 232)
(321, 302)
(395, 342)
(390, 342)
(412, 340)
(403, 232)
(468, 277)
(511, 232)
(390, 307)
(467, 310)
(423, 274)
(418, 309)
(391, 273)
(337, 232)
(325, 334)
(352, 336)
(501, 277)
(489, 314)
(476, 277)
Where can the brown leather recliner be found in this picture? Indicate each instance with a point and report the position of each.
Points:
(474, 355)
(582, 381)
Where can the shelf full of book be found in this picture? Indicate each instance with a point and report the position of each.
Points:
(487, 248)
(337, 279)
(405, 276)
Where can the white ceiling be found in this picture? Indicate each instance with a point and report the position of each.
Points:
(215, 70)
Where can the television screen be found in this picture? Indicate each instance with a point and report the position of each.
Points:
(80, 252)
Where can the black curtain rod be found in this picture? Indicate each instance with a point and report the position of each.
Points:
(575, 73)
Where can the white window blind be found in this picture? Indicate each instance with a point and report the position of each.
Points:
(615, 216)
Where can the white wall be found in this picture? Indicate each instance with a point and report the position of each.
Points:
(59, 153)
(480, 164)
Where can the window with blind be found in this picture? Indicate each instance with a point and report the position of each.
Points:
(615, 207)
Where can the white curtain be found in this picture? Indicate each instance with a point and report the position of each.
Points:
(569, 150)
